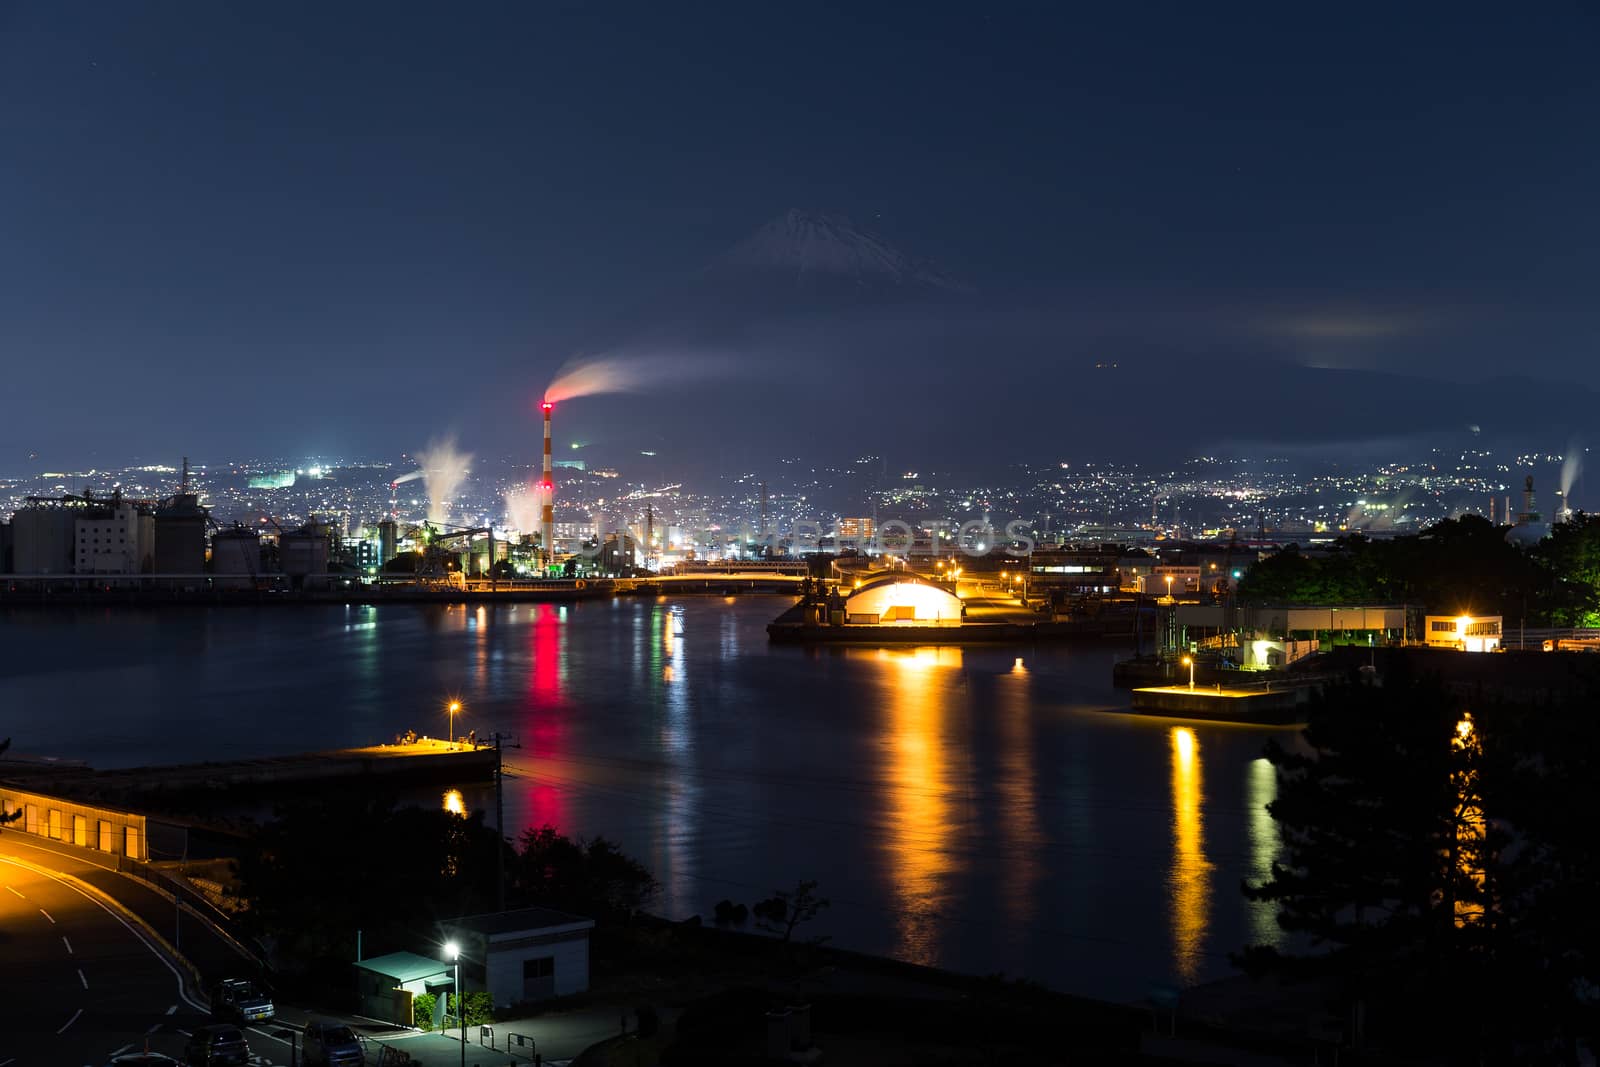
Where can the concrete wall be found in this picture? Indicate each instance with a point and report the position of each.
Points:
(116, 833)
(569, 951)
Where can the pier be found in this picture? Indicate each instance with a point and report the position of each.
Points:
(1279, 706)
(419, 762)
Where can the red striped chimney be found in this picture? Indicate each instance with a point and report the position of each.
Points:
(547, 517)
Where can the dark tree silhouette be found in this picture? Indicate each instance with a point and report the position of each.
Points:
(8, 817)
(787, 909)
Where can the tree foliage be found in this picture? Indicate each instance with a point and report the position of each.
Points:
(1435, 856)
(591, 877)
(1458, 566)
(315, 876)
(8, 817)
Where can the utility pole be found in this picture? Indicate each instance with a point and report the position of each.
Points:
(500, 817)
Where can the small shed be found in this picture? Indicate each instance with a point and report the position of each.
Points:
(524, 955)
(386, 985)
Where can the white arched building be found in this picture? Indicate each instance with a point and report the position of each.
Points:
(905, 600)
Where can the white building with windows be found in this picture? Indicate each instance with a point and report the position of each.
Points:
(522, 956)
(1464, 633)
(114, 539)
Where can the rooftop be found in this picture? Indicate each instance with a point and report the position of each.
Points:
(503, 922)
(404, 966)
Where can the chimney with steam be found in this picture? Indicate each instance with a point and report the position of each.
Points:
(547, 488)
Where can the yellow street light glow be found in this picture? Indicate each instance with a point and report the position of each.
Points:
(1187, 661)
(1462, 623)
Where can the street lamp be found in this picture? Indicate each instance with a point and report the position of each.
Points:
(1188, 661)
(455, 954)
(1169, 587)
(455, 706)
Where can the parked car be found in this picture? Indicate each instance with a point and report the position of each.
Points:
(217, 1046)
(242, 1001)
(331, 1044)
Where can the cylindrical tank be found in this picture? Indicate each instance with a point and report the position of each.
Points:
(235, 557)
(388, 540)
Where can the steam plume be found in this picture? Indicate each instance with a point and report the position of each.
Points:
(444, 467)
(629, 374)
(522, 508)
(1571, 467)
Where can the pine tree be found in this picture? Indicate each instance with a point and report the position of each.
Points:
(1386, 850)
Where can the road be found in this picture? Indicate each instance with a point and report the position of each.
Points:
(79, 982)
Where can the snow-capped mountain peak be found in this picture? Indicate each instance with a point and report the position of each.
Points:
(814, 247)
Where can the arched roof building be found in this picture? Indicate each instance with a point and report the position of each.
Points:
(903, 599)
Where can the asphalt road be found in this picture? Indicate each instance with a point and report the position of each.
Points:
(79, 982)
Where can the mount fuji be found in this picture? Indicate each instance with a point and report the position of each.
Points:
(813, 250)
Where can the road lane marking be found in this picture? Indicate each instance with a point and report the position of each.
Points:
(64, 941)
(170, 1011)
(14, 890)
(153, 1029)
(121, 1050)
(47, 915)
(82, 979)
(183, 994)
(185, 1033)
(70, 1021)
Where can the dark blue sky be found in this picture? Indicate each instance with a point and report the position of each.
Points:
(235, 229)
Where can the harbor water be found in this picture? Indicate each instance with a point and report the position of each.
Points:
(989, 810)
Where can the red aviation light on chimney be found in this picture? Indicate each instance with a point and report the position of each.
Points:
(547, 487)
(547, 406)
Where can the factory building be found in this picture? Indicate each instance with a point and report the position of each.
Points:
(42, 538)
(117, 537)
(180, 536)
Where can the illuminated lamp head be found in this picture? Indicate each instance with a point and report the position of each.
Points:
(1462, 623)
(547, 406)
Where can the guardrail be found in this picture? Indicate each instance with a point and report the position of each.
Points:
(522, 1044)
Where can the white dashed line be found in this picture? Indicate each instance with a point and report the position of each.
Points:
(70, 1021)
(14, 890)
(185, 1033)
(121, 1050)
(172, 1010)
(85, 981)
(64, 941)
(182, 993)
(153, 1029)
(47, 915)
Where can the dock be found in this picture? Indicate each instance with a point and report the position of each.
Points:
(418, 762)
(1281, 706)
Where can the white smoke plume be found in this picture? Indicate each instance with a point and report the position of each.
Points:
(443, 469)
(631, 374)
(1571, 468)
(524, 507)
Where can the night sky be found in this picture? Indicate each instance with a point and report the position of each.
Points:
(262, 229)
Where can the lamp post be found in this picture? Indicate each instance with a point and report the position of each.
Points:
(1188, 661)
(1169, 587)
(455, 706)
(455, 954)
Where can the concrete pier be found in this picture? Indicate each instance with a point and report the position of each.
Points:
(1277, 705)
(399, 764)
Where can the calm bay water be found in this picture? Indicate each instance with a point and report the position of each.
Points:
(979, 809)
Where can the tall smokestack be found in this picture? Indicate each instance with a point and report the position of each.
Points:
(1491, 509)
(1528, 513)
(547, 517)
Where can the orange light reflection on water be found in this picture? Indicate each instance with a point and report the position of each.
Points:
(919, 808)
(1189, 883)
